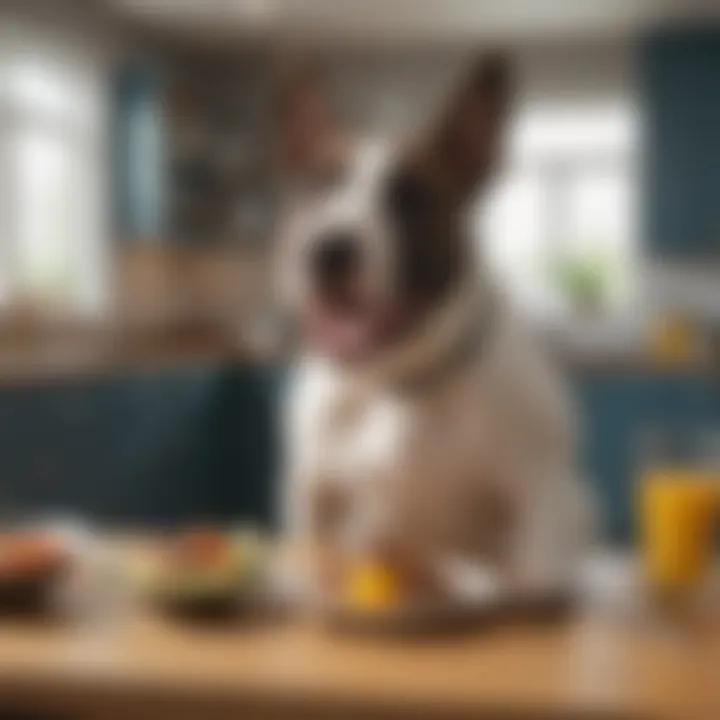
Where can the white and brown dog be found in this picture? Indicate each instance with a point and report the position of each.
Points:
(421, 416)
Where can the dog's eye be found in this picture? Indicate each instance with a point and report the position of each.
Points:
(409, 196)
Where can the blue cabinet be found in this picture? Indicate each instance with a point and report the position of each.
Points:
(135, 447)
(246, 452)
(680, 94)
(619, 410)
(161, 446)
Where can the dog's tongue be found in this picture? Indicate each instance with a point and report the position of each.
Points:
(353, 333)
(343, 334)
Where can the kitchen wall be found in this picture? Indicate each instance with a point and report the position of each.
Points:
(389, 92)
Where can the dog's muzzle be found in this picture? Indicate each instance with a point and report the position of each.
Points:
(335, 266)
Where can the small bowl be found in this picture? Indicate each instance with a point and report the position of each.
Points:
(196, 593)
(30, 584)
(202, 608)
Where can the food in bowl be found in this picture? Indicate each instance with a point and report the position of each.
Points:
(30, 553)
(201, 572)
(31, 564)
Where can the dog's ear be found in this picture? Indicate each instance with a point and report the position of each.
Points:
(463, 146)
(310, 142)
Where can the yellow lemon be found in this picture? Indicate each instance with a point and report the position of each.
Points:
(372, 585)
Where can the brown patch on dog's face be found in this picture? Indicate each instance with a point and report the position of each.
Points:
(428, 248)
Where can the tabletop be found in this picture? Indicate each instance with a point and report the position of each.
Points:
(146, 665)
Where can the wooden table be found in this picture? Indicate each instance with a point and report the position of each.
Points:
(144, 666)
(147, 667)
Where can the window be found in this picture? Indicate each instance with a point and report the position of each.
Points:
(559, 227)
(52, 238)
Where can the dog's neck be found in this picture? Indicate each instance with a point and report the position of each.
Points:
(453, 331)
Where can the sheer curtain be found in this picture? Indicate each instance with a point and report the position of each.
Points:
(53, 174)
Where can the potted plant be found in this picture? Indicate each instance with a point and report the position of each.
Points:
(583, 280)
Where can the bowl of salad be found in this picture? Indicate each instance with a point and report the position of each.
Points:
(201, 573)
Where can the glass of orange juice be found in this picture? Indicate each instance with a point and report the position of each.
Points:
(676, 508)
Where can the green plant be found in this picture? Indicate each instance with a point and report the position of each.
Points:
(583, 279)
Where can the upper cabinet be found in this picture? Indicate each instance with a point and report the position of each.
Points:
(192, 163)
(680, 96)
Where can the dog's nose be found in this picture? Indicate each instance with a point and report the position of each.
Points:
(336, 256)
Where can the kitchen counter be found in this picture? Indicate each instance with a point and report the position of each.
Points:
(55, 355)
(147, 667)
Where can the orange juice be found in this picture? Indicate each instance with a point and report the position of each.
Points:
(676, 512)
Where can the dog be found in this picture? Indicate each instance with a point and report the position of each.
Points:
(421, 415)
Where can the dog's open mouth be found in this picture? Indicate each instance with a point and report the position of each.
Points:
(348, 331)
(355, 331)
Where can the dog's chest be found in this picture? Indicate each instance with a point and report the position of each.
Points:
(403, 450)
(363, 437)
(417, 468)
(417, 464)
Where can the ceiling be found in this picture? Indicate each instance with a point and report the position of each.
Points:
(407, 20)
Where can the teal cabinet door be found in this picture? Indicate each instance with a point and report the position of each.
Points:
(247, 459)
(137, 447)
(679, 82)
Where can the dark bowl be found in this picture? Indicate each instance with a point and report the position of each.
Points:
(202, 608)
(30, 593)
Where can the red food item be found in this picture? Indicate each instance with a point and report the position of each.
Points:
(199, 547)
(30, 554)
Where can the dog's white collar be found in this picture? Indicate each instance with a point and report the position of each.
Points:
(449, 332)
